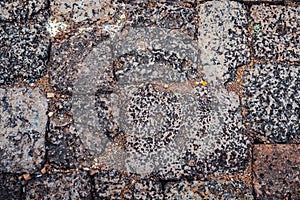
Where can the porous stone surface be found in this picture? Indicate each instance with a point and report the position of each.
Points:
(222, 39)
(23, 125)
(111, 184)
(174, 133)
(147, 189)
(81, 12)
(275, 32)
(99, 63)
(65, 149)
(114, 15)
(213, 189)
(73, 185)
(155, 54)
(23, 50)
(77, 10)
(276, 171)
(271, 97)
(172, 126)
(18, 10)
(67, 57)
(72, 16)
(163, 14)
(152, 99)
(70, 60)
(262, 1)
(10, 187)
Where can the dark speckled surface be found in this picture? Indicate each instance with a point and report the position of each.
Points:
(149, 99)
(276, 170)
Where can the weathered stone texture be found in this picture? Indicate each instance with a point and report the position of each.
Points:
(276, 171)
(10, 187)
(223, 39)
(18, 10)
(271, 98)
(24, 50)
(111, 184)
(156, 99)
(73, 185)
(214, 189)
(23, 125)
(275, 32)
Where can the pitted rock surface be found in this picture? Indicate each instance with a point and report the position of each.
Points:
(10, 187)
(100, 61)
(24, 50)
(174, 133)
(271, 97)
(19, 10)
(110, 184)
(23, 124)
(223, 41)
(153, 66)
(262, 1)
(169, 55)
(208, 190)
(115, 15)
(73, 185)
(66, 57)
(171, 128)
(172, 15)
(276, 171)
(77, 10)
(65, 149)
(275, 32)
(149, 99)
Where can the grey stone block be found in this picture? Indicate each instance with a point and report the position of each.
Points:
(111, 184)
(23, 122)
(271, 98)
(10, 187)
(23, 50)
(213, 189)
(223, 39)
(18, 10)
(73, 185)
(275, 32)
